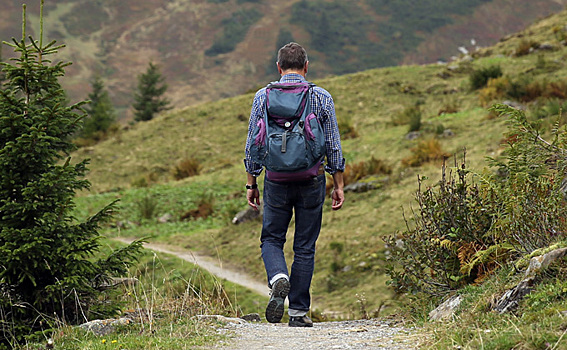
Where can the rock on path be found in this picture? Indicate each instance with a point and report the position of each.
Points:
(353, 335)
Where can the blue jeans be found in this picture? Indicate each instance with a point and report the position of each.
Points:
(280, 200)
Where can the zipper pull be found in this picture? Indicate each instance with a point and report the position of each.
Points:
(284, 141)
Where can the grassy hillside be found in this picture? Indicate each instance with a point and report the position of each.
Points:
(349, 268)
(211, 49)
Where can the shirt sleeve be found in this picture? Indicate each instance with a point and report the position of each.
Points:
(255, 114)
(335, 160)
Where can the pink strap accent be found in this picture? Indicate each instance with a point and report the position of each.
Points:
(308, 131)
(261, 137)
(290, 177)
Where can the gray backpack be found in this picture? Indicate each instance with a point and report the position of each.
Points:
(289, 138)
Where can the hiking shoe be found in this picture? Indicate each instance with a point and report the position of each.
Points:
(275, 308)
(300, 321)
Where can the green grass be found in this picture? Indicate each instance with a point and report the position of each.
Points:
(171, 292)
(177, 334)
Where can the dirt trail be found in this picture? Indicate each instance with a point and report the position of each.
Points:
(353, 335)
(208, 263)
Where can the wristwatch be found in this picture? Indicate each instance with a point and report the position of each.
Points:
(251, 187)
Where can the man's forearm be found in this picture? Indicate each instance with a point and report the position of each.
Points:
(251, 179)
(338, 180)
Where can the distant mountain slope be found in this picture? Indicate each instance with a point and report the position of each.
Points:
(209, 49)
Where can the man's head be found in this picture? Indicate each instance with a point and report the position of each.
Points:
(292, 57)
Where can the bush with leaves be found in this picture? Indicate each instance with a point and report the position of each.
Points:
(529, 184)
(462, 232)
(450, 226)
(48, 271)
(479, 77)
(425, 151)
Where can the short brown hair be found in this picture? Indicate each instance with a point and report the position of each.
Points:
(292, 56)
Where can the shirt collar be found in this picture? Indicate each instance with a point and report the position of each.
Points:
(292, 78)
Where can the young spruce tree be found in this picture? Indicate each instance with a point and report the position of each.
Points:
(100, 112)
(48, 272)
(2, 74)
(148, 99)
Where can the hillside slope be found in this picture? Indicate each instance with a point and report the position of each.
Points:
(211, 49)
(351, 255)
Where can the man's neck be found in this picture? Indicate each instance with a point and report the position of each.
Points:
(292, 71)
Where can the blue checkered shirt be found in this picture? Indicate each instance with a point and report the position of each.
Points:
(322, 106)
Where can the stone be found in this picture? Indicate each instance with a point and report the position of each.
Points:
(165, 218)
(247, 214)
(119, 281)
(219, 318)
(104, 327)
(412, 135)
(515, 105)
(510, 300)
(447, 309)
(546, 47)
(359, 187)
(540, 263)
(254, 317)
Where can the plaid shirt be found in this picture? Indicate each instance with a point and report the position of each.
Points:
(322, 106)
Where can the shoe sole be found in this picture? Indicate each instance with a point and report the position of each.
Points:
(275, 308)
(300, 324)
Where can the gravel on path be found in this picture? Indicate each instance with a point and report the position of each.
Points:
(352, 335)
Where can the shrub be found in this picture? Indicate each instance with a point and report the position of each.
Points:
(556, 89)
(450, 106)
(415, 120)
(463, 232)
(409, 115)
(147, 207)
(496, 89)
(356, 171)
(144, 180)
(205, 208)
(479, 77)
(549, 108)
(450, 227)
(525, 47)
(533, 170)
(560, 33)
(533, 91)
(186, 168)
(525, 89)
(425, 151)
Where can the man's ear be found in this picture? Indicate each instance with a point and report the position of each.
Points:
(305, 68)
(279, 68)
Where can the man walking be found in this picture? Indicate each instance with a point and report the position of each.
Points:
(302, 193)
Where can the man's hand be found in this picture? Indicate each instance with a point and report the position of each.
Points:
(338, 197)
(253, 197)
